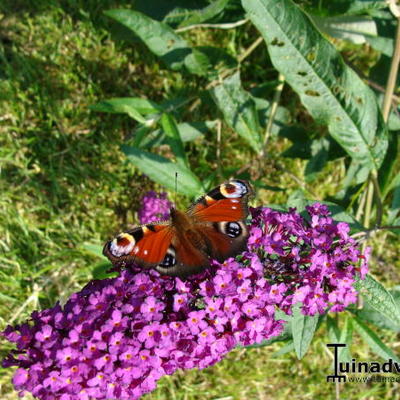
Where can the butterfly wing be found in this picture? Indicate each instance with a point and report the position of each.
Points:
(186, 255)
(220, 216)
(213, 227)
(145, 245)
(158, 246)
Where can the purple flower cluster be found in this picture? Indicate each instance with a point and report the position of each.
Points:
(155, 207)
(118, 336)
(313, 262)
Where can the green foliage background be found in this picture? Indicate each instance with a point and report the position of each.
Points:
(74, 164)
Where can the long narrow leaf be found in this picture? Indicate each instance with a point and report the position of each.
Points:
(158, 37)
(125, 104)
(379, 298)
(373, 316)
(170, 127)
(239, 110)
(303, 329)
(135, 107)
(376, 344)
(162, 171)
(206, 13)
(332, 92)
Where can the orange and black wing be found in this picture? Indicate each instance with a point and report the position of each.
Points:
(145, 245)
(220, 216)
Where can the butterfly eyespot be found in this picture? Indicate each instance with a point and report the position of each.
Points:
(234, 189)
(169, 259)
(122, 245)
(231, 229)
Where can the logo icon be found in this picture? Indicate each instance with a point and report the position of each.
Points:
(336, 377)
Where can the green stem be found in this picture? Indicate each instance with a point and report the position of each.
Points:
(374, 230)
(394, 67)
(387, 101)
(368, 205)
(378, 197)
(214, 26)
(274, 109)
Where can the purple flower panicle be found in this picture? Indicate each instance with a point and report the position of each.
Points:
(313, 262)
(155, 207)
(117, 337)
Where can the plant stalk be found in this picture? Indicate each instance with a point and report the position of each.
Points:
(391, 83)
(272, 113)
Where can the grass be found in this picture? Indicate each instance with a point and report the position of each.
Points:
(64, 183)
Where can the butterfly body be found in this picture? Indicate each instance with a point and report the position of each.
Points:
(212, 228)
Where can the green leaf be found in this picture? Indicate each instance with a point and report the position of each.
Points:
(162, 171)
(140, 134)
(94, 249)
(197, 62)
(369, 314)
(100, 271)
(348, 27)
(171, 11)
(170, 127)
(382, 44)
(135, 107)
(188, 131)
(192, 130)
(376, 345)
(350, 7)
(303, 329)
(363, 6)
(394, 120)
(287, 348)
(394, 183)
(356, 174)
(297, 199)
(239, 110)
(332, 92)
(206, 13)
(384, 40)
(208, 61)
(158, 37)
(378, 297)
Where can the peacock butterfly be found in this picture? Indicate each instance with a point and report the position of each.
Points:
(212, 228)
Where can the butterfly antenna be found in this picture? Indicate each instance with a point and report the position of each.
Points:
(176, 187)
